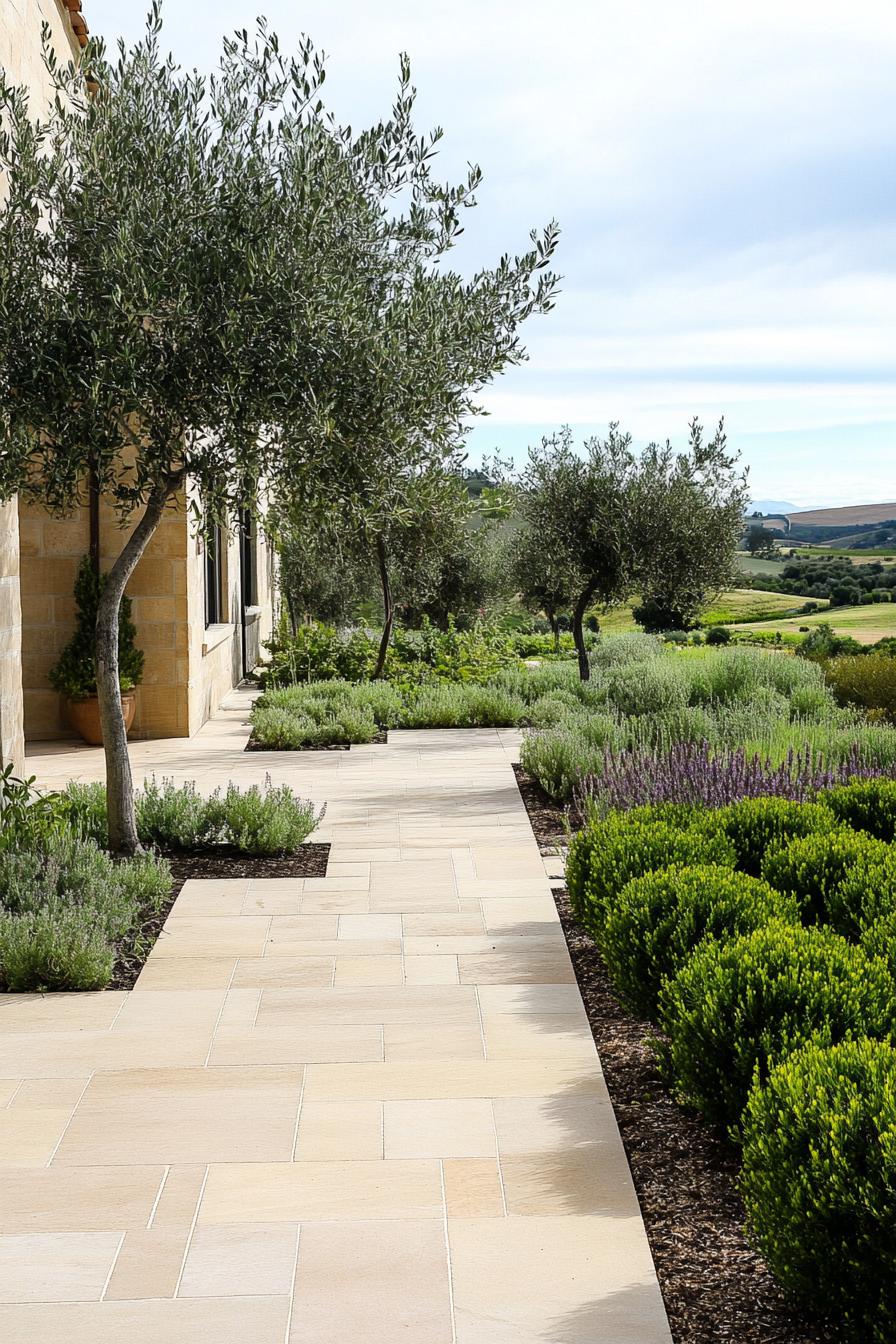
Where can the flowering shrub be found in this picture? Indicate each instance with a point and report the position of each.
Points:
(696, 773)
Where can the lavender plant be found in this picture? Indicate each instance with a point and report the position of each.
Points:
(697, 774)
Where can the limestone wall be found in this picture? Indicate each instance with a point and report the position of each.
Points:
(21, 58)
(188, 668)
(12, 744)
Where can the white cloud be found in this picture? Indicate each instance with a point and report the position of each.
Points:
(724, 179)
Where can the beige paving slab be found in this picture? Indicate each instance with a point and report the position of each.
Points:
(473, 1188)
(232, 1320)
(365, 1106)
(440, 1004)
(184, 1115)
(63, 1053)
(29, 1135)
(421, 1080)
(314, 1190)
(339, 1131)
(187, 973)
(432, 1041)
(56, 1266)
(390, 1280)
(376, 970)
(579, 1279)
(80, 1199)
(59, 1012)
(148, 1264)
(450, 1128)
(238, 936)
(434, 970)
(237, 1046)
(282, 972)
(243, 1260)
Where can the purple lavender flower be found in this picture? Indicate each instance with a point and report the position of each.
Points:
(694, 773)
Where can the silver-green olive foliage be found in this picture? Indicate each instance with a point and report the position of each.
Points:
(210, 280)
(608, 522)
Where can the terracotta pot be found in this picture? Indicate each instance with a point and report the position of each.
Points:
(84, 716)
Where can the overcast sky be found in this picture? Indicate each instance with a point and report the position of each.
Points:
(725, 179)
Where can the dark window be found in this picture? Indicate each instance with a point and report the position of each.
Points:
(248, 568)
(214, 558)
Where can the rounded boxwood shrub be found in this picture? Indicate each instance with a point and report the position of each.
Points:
(816, 868)
(819, 1182)
(865, 805)
(758, 825)
(736, 1008)
(660, 918)
(879, 939)
(608, 854)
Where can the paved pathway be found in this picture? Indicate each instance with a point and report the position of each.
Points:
(361, 1108)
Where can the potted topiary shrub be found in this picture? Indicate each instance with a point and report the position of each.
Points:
(74, 674)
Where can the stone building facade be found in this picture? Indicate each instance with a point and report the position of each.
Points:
(201, 611)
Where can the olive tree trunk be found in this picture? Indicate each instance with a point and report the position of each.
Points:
(578, 618)
(122, 821)
(388, 608)
(555, 629)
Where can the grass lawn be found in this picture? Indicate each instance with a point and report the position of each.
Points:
(751, 604)
(737, 605)
(753, 564)
(867, 623)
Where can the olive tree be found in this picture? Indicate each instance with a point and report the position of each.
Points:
(186, 271)
(420, 342)
(688, 518)
(542, 579)
(579, 508)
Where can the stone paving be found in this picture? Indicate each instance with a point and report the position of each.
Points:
(363, 1107)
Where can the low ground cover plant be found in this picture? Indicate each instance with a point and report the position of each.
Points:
(706, 725)
(65, 906)
(268, 821)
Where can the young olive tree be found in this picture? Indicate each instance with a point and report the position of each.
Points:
(416, 343)
(579, 509)
(542, 579)
(449, 557)
(688, 516)
(182, 264)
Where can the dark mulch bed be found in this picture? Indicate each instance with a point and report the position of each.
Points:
(715, 1287)
(547, 818)
(381, 738)
(224, 861)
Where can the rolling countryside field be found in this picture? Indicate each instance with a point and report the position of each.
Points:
(867, 623)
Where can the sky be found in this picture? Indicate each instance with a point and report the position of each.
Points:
(724, 177)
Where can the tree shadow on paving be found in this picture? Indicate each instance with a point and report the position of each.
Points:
(630, 1315)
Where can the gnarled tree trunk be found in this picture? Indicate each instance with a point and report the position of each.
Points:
(578, 617)
(388, 608)
(555, 629)
(122, 821)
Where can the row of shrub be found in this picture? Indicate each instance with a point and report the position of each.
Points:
(269, 821)
(318, 652)
(835, 578)
(67, 909)
(760, 938)
(724, 701)
(722, 695)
